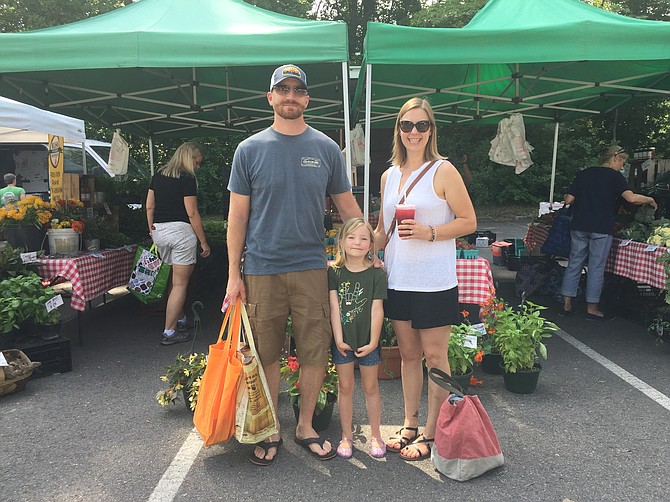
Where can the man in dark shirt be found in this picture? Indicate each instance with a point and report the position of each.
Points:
(594, 194)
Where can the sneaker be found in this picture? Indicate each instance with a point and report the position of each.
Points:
(176, 338)
(184, 325)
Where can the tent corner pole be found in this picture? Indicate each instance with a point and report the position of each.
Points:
(368, 107)
(151, 154)
(347, 125)
(553, 165)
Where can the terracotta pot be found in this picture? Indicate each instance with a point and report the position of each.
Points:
(389, 368)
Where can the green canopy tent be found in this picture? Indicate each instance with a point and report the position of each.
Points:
(183, 68)
(550, 60)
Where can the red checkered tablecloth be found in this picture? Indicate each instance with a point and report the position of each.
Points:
(633, 261)
(475, 282)
(92, 274)
(536, 235)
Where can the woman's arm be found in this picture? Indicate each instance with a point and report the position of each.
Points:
(191, 205)
(380, 234)
(150, 206)
(449, 184)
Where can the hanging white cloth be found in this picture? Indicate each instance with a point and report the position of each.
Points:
(357, 146)
(510, 147)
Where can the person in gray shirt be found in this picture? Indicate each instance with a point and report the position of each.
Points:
(278, 186)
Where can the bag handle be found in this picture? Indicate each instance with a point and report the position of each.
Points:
(231, 321)
(402, 199)
(247, 329)
(446, 382)
(154, 250)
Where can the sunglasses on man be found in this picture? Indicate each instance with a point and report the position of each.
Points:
(285, 90)
(408, 125)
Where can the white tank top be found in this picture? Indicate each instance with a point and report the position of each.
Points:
(418, 265)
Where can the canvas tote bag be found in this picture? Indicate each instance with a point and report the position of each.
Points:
(214, 416)
(465, 446)
(149, 278)
(256, 419)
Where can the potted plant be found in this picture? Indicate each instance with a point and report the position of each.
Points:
(183, 378)
(325, 402)
(67, 225)
(462, 352)
(24, 224)
(390, 353)
(491, 358)
(519, 335)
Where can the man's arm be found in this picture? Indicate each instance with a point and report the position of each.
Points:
(347, 205)
(238, 219)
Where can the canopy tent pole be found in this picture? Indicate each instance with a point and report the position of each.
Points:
(347, 132)
(553, 166)
(151, 154)
(368, 131)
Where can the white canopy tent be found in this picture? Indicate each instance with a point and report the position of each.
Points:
(27, 124)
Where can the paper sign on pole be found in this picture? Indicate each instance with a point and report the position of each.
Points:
(56, 167)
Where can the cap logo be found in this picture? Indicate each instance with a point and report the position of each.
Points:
(291, 71)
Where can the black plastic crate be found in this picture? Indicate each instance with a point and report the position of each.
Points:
(55, 355)
(514, 262)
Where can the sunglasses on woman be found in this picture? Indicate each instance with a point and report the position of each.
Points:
(408, 125)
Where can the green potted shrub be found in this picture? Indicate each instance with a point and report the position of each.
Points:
(519, 334)
(390, 353)
(462, 354)
(183, 378)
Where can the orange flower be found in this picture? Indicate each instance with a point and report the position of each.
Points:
(465, 313)
(478, 356)
(474, 381)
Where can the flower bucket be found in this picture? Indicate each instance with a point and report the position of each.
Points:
(64, 241)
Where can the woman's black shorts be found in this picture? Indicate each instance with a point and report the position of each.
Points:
(424, 309)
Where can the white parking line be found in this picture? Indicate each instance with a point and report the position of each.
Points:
(646, 389)
(173, 477)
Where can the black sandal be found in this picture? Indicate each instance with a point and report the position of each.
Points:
(266, 448)
(415, 444)
(398, 437)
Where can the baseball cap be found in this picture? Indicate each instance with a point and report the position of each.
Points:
(287, 71)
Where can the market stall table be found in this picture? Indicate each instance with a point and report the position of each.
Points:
(475, 282)
(91, 274)
(637, 261)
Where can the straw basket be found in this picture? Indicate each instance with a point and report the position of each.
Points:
(13, 378)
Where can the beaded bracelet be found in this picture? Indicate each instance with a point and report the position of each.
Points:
(433, 234)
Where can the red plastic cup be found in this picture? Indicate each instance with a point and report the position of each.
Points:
(404, 212)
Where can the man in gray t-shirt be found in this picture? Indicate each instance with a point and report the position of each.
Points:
(278, 186)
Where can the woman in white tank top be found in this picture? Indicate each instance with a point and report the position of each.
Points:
(420, 258)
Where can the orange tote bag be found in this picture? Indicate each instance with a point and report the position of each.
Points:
(214, 416)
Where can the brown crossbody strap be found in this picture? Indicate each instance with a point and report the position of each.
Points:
(402, 199)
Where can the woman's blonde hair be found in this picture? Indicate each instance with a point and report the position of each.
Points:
(347, 229)
(612, 151)
(399, 155)
(182, 161)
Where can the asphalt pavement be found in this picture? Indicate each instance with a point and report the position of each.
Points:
(596, 429)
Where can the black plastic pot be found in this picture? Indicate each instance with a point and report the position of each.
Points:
(491, 364)
(523, 381)
(321, 421)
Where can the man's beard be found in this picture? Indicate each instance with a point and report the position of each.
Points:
(287, 114)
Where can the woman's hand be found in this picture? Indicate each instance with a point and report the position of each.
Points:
(205, 249)
(411, 229)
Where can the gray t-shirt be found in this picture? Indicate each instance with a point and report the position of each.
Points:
(287, 179)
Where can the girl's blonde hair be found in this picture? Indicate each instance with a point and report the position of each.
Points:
(347, 229)
(399, 155)
(182, 161)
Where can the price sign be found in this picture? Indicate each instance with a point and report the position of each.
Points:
(29, 257)
(54, 303)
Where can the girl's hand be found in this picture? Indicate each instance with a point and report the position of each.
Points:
(365, 350)
(343, 347)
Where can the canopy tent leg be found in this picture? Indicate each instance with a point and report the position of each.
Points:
(553, 166)
(368, 108)
(151, 154)
(347, 126)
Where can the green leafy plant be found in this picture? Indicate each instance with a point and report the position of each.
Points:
(215, 230)
(26, 295)
(184, 374)
(519, 334)
(11, 264)
(290, 373)
(388, 337)
(462, 356)
(488, 315)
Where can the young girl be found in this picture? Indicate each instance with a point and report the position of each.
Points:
(357, 291)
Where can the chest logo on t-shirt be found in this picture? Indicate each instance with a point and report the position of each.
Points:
(311, 162)
(351, 302)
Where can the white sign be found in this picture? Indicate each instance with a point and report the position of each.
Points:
(647, 164)
(479, 327)
(29, 257)
(650, 247)
(3, 361)
(54, 303)
(470, 341)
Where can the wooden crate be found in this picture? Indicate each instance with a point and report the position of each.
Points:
(71, 186)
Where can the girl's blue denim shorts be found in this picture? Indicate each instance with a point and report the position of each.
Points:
(372, 359)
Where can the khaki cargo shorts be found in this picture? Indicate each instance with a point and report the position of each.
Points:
(304, 295)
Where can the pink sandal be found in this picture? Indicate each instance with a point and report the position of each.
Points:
(345, 451)
(377, 451)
